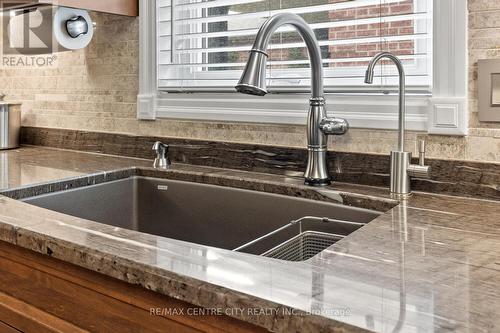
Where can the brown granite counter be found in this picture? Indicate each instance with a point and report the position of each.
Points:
(429, 264)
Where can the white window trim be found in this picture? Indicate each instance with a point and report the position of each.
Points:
(443, 113)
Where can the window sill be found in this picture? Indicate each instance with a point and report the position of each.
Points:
(366, 111)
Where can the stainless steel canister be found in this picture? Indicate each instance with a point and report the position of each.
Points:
(10, 124)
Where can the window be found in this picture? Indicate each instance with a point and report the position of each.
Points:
(203, 45)
(192, 53)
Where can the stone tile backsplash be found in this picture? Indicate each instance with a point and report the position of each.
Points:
(95, 89)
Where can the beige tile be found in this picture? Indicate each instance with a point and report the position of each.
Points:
(485, 149)
(96, 89)
(445, 147)
(482, 5)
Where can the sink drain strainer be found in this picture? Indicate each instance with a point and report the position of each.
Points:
(303, 246)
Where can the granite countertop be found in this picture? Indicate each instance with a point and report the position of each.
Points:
(431, 263)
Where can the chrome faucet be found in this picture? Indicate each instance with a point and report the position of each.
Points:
(161, 161)
(253, 82)
(401, 167)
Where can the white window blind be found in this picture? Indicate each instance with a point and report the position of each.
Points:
(203, 45)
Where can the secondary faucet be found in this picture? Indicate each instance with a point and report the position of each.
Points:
(401, 167)
(253, 82)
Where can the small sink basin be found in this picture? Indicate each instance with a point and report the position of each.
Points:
(217, 216)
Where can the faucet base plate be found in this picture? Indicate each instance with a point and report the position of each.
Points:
(401, 196)
(318, 182)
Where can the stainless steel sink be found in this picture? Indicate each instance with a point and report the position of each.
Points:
(210, 215)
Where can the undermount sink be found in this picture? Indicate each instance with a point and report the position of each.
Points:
(211, 215)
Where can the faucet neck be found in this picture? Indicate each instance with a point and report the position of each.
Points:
(402, 110)
(402, 92)
(272, 24)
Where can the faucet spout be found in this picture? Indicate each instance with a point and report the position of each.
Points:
(254, 73)
(402, 91)
(253, 82)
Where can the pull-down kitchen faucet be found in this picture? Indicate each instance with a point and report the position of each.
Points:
(401, 167)
(253, 82)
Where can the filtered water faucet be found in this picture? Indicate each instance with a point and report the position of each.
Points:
(401, 167)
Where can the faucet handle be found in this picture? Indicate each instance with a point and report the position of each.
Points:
(421, 170)
(334, 126)
(421, 152)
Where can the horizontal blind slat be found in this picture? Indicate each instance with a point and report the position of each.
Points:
(314, 26)
(348, 4)
(246, 48)
(302, 73)
(265, 13)
(214, 4)
(290, 62)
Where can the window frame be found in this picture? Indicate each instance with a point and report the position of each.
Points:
(443, 112)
